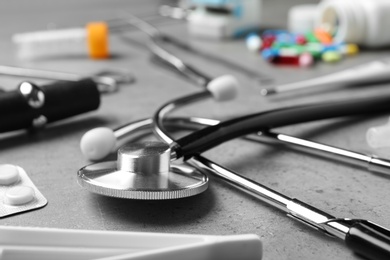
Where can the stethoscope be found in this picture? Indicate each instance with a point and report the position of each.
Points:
(175, 169)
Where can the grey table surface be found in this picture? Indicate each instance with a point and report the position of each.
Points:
(52, 157)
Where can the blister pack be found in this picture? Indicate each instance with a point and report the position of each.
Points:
(17, 192)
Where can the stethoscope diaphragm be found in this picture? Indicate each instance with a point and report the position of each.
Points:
(143, 171)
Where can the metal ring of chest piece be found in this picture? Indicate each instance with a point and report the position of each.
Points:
(143, 171)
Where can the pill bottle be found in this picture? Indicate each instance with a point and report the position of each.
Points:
(363, 22)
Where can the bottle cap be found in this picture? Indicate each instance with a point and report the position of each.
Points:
(97, 40)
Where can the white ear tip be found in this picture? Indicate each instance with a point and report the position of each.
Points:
(223, 88)
(379, 136)
(97, 143)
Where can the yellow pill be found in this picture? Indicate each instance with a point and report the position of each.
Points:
(350, 49)
(331, 56)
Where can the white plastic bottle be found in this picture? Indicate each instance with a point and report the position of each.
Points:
(364, 22)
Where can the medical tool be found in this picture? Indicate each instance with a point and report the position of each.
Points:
(157, 38)
(152, 176)
(17, 192)
(362, 236)
(124, 178)
(372, 72)
(50, 243)
(107, 80)
(32, 106)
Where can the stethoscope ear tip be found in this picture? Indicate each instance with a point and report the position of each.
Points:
(97, 143)
(223, 88)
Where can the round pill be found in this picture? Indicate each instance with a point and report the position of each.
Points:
(349, 49)
(306, 60)
(9, 174)
(19, 195)
(331, 56)
(253, 42)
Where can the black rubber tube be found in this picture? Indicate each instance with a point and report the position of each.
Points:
(369, 240)
(207, 138)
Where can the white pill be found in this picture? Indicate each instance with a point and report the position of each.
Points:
(19, 195)
(9, 174)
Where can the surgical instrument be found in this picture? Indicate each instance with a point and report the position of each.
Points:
(157, 37)
(107, 80)
(372, 72)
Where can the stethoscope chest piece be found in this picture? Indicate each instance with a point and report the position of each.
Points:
(143, 171)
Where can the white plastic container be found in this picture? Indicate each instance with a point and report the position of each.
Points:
(92, 41)
(364, 22)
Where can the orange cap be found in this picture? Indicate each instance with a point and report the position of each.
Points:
(97, 40)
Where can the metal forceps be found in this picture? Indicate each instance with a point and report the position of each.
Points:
(107, 80)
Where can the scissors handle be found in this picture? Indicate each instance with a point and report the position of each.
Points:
(369, 240)
(33, 106)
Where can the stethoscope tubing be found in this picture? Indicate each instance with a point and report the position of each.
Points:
(362, 236)
(209, 137)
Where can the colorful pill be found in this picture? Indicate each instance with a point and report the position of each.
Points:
(303, 60)
(289, 52)
(310, 37)
(349, 49)
(9, 174)
(323, 36)
(300, 39)
(306, 60)
(331, 56)
(269, 54)
(315, 49)
(331, 47)
(254, 42)
(285, 38)
(267, 42)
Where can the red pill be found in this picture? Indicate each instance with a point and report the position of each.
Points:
(300, 40)
(303, 60)
(267, 41)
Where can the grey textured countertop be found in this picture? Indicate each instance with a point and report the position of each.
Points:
(52, 157)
